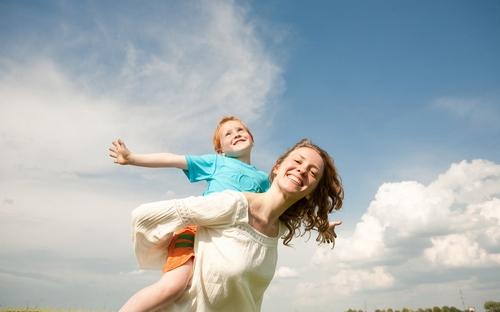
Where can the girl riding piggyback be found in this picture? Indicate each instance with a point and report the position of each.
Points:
(228, 169)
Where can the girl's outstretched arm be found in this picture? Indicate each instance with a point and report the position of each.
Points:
(123, 156)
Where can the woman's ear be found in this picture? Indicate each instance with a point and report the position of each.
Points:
(275, 169)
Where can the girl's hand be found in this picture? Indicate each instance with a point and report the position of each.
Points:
(119, 152)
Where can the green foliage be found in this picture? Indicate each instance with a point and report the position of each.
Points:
(37, 309)
(492, 306)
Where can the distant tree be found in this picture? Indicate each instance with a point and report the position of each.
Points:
(492, 306)
(389, 310)
(428, 310)
(445, 309)
(351, 310)
(454, 309)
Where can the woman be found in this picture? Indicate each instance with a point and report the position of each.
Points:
(236, 244)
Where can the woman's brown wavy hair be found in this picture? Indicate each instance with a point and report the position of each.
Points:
(312, 211)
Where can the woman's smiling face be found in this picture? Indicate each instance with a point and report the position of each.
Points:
(300, 171)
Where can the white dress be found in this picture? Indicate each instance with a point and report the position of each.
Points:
(234, 263)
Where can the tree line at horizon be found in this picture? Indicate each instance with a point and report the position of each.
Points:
(489, 306)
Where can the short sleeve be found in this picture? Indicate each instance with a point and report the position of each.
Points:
(265, 184)
(200, 168)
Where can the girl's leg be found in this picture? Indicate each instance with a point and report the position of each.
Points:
(169, 288)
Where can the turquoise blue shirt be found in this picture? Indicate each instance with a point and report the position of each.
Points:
(225, 173)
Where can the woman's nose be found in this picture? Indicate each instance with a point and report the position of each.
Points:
(301, 169)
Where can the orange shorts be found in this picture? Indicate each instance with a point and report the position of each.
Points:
(181, 248)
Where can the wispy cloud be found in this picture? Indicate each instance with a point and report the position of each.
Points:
(478, 111)
(160, 83)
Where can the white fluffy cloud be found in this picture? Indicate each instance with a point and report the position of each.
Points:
(348, 281)
(459, 250)
(285, 272)
(452, 223)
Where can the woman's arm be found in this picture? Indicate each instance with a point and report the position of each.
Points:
(216, 209)
(123, 156)
(153, 223)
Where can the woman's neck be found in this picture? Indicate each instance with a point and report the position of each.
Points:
(269, 206)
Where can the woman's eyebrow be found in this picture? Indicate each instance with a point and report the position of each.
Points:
(303, 157)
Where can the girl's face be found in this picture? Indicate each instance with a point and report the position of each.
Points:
(234, 139)
(299, 172)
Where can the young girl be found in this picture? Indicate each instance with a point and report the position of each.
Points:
(236, 243)
(228, 169)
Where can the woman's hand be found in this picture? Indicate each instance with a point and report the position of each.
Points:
(332, 226)
(120, 153)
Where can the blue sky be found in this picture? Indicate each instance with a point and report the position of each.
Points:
(405, 95)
